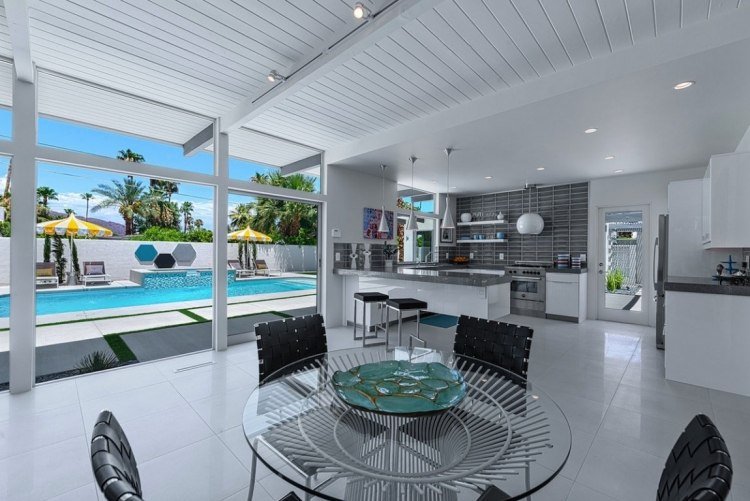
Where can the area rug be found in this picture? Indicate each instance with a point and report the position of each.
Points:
(444, 321)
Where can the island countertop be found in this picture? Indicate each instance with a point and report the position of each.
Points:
(704, 285)
(439, 275)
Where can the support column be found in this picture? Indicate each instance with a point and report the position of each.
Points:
(23, 241)
(221, 169)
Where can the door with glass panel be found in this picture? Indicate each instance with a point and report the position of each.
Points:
(622, 265)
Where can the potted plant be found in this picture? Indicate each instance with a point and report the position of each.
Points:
(389, 250)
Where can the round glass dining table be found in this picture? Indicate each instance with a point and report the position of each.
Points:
(504, 434)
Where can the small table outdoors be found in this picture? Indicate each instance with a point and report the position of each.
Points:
(504, 432)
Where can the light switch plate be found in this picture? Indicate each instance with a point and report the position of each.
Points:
(338, 256)
(501, 255)
(471, 255)
(336, 232)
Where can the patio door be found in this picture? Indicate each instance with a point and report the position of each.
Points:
(622, 265)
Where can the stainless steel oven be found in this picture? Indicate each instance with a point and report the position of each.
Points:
(527, 289)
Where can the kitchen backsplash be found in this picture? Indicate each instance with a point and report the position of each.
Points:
(345, 249)
(564, 209)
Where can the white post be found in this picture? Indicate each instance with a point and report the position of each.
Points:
(221, 193)
(23, 239)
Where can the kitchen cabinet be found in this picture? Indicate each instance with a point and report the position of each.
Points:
(725, 203)
(566, 296)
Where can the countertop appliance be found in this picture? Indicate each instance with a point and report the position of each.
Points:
(528, 287)
(659, 267)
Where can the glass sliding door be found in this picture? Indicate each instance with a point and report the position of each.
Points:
(5, 166)
(124, 271)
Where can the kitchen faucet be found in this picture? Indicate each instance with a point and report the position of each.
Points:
(429, 254)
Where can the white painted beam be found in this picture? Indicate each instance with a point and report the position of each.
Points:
(221, 208)
(690, 40)
(318, 64)
(23, 241)
(300, 165)
(17, 14)
(199, 141)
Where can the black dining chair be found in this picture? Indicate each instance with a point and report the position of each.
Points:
(112, 460)
(282, 343)
(699, 467)
(499, 343)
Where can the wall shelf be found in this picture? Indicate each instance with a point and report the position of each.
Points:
(485, 241)
(482, 223)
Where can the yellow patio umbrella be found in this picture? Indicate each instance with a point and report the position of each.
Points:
(72, 226)
(249, 235)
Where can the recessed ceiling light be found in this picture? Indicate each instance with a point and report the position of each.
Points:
(609, 157)
(684, 85)
(488, 177)
(619, 171)
(590, 131)
(360, 11)
(540, 168)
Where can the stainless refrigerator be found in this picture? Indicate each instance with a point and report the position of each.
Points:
(661, 248)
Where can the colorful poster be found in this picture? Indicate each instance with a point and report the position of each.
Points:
(370, 222)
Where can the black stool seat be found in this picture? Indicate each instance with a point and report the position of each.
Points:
(406, 303)
(370, 297)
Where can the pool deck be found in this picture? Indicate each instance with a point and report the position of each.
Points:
(92, 324)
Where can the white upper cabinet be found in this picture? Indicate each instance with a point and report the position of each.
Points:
(726, 202)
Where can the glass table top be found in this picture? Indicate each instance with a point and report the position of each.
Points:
(505, 432)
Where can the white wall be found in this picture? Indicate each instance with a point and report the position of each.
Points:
(638, 189)
(349, 193)
(744, 144)
(119, 255)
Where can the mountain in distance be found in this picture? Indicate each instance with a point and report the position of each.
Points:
(118, 229)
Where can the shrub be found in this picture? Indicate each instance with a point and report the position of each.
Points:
(97, 361)
(159, 234)
(615, 279)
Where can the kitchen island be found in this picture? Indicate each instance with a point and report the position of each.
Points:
(706, 334)
(478, 292)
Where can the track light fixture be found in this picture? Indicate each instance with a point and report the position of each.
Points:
(275, 76)
(361, 12)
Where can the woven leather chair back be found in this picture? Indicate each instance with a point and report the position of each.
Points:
(283, 342)
(112, 460)
(699, 467)
(498, 343)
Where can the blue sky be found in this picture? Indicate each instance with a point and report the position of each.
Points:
(70, 182)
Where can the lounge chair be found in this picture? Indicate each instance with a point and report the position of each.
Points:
(94, 273)
(262, 268)
(239, 270)
(46, 276)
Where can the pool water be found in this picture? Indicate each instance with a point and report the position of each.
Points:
(121, 297)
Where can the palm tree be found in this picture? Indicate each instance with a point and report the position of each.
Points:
(68, 212)
(44, 194)
(241, 216)
(198, 224)
(187, 215)
(126, 195)
(166, 188)
(130, 156)
(87, 196)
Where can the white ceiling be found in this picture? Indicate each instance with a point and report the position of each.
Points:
(642, 121)
(209, 57)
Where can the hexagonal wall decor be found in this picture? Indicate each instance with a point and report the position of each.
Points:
(164, 260)
(184, 254)
(146, 253)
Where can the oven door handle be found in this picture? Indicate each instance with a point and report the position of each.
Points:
(526, 279)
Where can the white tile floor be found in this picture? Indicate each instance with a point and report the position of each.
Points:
(186, 431)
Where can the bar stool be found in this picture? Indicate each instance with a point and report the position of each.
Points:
(369, 298)
(401, 305)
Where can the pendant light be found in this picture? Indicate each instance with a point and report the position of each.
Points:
(448, 223)
(530, 223)
(412, 224)
(383, 225)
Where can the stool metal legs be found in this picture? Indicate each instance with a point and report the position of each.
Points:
(364, 337)
(400, 325)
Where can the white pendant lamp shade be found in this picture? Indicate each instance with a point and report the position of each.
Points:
(383, 225)
(530, 224)
(448, 223)
(411, 225)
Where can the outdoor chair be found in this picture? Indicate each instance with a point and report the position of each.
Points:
(94, 273)
(46, 276)
(262, 268)
(239, 270)
(698, 467)
(112, 460)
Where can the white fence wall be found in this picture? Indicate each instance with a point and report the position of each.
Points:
(119, 255)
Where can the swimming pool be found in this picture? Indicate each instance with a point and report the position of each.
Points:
(120, 297)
